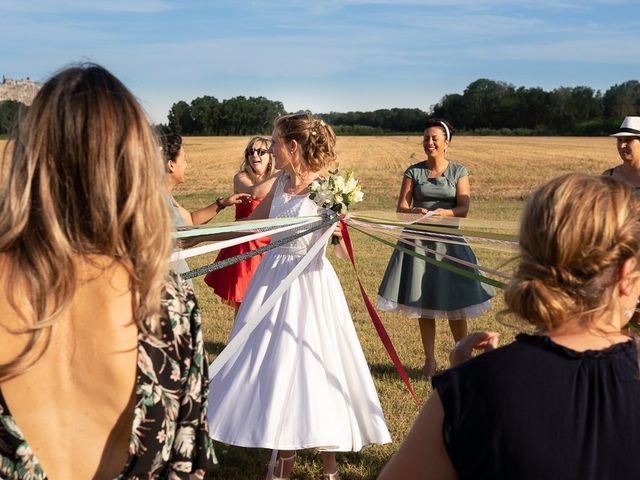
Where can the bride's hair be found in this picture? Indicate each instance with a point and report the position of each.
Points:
(84, 180)
(571, 249)
(315, 137)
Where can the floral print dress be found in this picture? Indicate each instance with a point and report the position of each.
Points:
(169, 436)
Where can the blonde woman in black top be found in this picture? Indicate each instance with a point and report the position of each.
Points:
(563, 402)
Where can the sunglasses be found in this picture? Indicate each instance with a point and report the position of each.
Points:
(259, 151)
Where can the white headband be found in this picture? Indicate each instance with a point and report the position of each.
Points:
(446, 130)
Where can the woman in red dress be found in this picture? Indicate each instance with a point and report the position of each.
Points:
(255, 178)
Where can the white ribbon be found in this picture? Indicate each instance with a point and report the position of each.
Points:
(212, 247)
(239, 339)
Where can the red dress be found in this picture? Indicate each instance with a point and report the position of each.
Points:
(229, 283)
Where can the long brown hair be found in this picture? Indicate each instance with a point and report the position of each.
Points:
(85, 178)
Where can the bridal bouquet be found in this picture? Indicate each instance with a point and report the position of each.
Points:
(336, 193)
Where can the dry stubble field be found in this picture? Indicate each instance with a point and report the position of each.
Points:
(503, 170)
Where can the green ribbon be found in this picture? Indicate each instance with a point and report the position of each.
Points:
(218, 264)
(447, 230)
(198, 230)
(437, 263)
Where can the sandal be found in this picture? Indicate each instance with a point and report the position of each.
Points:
(280, 466)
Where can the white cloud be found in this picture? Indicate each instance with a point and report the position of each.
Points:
(604, 49)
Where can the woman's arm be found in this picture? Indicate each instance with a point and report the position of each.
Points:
(340, 249)
(261, 212)
(422, 454)
(405, 199)
(264, 207)
(242, 183)
(480, 341)
(205, 214)
(463, 195)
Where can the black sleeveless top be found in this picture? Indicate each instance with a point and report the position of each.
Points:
(537, 410)
(609, 173)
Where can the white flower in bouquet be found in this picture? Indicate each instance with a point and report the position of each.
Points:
(351, 183)
(338, 184)
(324, 199)
(336, 192)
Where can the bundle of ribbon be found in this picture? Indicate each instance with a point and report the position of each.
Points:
(404, 229)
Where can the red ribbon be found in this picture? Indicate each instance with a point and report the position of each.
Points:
(377, 323)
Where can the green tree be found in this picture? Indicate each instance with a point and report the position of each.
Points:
(484, 102)
(180, 118)
(205, 112)
(622, 100)
(10, 111)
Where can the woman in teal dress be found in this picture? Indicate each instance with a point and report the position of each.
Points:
(419, 289)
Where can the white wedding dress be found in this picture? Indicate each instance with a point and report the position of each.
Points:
(301, 379)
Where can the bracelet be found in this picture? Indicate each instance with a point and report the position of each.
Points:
(221, 206)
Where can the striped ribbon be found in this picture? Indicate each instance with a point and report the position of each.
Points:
(327, 220)
(219, 245)
(437, 263)
(238, 226)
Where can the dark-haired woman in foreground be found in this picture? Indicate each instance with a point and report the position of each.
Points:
(563, 402)
(102, 366)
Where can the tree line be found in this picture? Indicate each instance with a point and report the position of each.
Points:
(485, 107)
(488, 105)
(235, 116)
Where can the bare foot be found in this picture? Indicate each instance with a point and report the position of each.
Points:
(429, 369)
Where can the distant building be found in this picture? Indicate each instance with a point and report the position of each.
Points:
(21, 90)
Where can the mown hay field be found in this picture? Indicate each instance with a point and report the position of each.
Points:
(503, 171)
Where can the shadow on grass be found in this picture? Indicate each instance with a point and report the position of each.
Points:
(388, 370)
(237, 463)
(214, 348)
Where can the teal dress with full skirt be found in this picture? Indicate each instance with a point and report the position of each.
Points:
(419, 289)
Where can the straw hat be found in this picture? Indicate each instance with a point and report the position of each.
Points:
(630, 128)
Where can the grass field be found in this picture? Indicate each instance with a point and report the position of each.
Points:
(503, 171)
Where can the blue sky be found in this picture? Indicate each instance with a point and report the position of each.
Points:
(324, 55)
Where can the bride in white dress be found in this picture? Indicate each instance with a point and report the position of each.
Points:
(300, 380)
